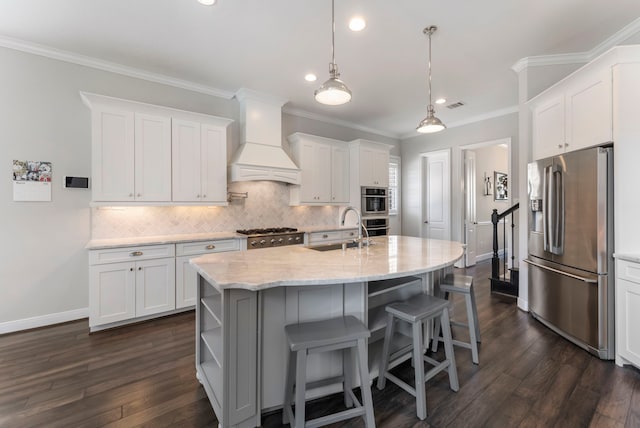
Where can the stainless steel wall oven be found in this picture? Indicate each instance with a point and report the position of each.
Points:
(375, 201)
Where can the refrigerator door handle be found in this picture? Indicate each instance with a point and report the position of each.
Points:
(547, 207)
(559, 204)
(578, 277)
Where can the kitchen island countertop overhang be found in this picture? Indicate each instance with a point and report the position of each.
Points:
(388, 257)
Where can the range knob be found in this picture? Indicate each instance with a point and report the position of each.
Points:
(297, 238)
(262, 242)
(253, 243)
(290, 239)
(280, 241)
(273, 241)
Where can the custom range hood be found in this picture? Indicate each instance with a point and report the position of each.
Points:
(261, 156)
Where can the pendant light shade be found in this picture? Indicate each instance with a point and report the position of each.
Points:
(430, 123)
(333, 92)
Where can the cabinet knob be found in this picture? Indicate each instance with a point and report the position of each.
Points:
(559, 146)
(136, 253)
(139, 267)
(198, 196)
(131, 195)
(325, 236)
(139, 195)
(210, 247)
(130, 269)
(566, 144)
(204, 196)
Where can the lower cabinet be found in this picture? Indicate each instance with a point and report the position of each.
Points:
(627, 313)
(331, 236)
(131, 282)
(186, 276)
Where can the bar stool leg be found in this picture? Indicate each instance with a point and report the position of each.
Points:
(421, 400)
(348, 360)
(472, 329)
(475, 314)
(448, 350)
(301, 386)
(386, 348)
(288, 392)
(365, 386)
(436, 335)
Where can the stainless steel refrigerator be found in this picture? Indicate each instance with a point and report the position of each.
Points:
(571, 280)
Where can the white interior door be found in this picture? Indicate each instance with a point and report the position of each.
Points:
(470, 219)
(437, 196)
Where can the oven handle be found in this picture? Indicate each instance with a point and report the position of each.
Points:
(378, 228)
(375, 196)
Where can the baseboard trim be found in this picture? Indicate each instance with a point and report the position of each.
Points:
(523, 304)
(488, 256)
(43, 320)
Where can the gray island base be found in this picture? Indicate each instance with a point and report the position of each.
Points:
(245, 299)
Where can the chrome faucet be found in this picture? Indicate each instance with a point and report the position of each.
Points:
(360, 225)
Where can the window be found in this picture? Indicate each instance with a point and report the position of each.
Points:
(394, 185)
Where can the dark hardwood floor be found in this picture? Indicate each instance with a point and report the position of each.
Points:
(143, 375)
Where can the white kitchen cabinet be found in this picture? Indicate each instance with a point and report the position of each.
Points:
(186, 276)
(372, 163)
(627, 312)
(199, 156)
(131, 156)
(324, 165)
(130, 282)
(146, 154)
(575, 113)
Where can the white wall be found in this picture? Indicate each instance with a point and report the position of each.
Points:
(43, 263)
(452, 138)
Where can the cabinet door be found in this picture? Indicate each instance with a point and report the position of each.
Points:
(155, 286)
(186, 282)
(112, 155)
(322, 170)
(549, 128)
(213, 150)
(185, 147)
(381, 168)
(152, 158)
(589, 110)
(340, 175)
(111, 293)
(366, 167)
(628, 302)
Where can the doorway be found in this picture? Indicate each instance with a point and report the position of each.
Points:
(483, 164)
(436, 207)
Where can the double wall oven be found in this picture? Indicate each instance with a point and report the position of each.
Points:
(374, 204)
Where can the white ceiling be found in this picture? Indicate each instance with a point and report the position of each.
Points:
(269, 45)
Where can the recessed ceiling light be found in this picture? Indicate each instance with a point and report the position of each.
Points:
(207, 2)
(441, 100)
(357, 23)
(310, 77)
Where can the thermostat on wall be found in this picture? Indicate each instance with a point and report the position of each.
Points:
(75, 182)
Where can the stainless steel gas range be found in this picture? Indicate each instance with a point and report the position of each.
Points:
(272, 237)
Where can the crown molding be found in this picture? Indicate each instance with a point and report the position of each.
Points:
(112, 67)
(325, 119)
(579, 57)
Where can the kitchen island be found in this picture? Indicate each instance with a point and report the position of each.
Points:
(246, 299)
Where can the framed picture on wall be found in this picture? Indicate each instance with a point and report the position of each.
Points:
(500, 181)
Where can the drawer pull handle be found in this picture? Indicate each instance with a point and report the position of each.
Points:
(210, 247)
(325, 236)
(136, 253)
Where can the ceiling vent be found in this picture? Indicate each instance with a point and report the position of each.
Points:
(455, 105)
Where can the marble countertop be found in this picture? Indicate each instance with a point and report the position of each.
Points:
(629, 257)
(388, 257)
(98, 244)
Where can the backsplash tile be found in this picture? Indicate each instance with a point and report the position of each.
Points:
(266, 206)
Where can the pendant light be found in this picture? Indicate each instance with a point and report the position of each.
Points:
(430, 123)
(333, 92)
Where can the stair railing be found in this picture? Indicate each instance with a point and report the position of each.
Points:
(495, 260)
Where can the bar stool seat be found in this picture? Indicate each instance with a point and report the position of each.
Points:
(461, 284)
(415, 311)
(323, 336)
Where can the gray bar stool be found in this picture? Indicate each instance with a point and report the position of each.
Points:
(323, 336)
(415, 311)
(461, 284)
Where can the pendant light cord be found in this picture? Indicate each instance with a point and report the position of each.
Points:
(430, 32)
(333, 35)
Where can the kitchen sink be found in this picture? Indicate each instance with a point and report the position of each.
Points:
(330, 247)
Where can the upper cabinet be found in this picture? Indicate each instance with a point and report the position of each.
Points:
(145, 154)
(373, 163)
(575, 113)
(324, 164)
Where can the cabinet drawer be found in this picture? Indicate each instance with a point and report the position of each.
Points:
(349, 234)
(319, 237)
(205, 247)
(629, 271)
(145, 252)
